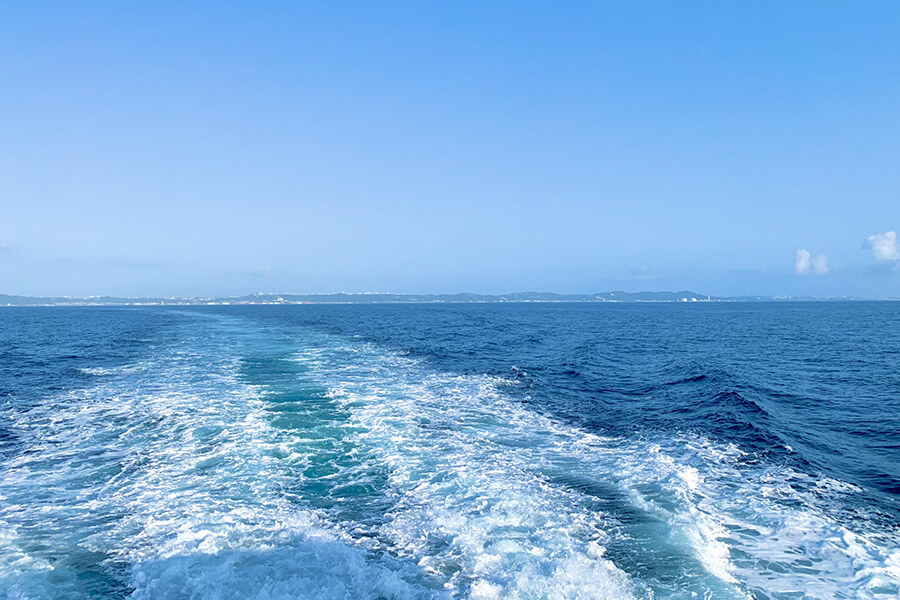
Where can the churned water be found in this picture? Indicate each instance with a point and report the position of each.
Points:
(451, 451)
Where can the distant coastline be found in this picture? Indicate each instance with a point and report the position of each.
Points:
(261, 298)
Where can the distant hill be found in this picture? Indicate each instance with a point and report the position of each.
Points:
(388, 298)
(355, 298)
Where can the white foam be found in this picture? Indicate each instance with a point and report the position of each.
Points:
(177, 478)
(468, 468)
(172, 477)
(106, 371)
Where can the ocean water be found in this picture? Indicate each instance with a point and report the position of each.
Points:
(698, 451)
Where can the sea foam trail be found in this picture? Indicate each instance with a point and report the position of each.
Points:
(237, 462)
(504, 502)
(164, 480)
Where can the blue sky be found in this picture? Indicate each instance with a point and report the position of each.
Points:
(224, 148)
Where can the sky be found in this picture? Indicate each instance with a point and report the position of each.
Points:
(220, 148)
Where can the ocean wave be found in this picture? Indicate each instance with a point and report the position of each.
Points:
(477, 478)
(167, 482)
(239, 462)
(109, 371)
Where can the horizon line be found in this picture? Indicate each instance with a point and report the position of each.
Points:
(359, 297)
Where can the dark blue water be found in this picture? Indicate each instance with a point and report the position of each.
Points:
(542, 450)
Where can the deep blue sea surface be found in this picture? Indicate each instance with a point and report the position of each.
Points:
(698, 451)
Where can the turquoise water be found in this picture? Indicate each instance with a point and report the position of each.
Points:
(571, 451)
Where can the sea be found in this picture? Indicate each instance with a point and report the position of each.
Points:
(529, 450)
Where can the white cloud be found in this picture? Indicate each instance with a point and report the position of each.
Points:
(801, 262)
(820, 264)
(884, 246)
(804, 263)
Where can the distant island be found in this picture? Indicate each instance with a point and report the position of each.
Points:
(392, 298)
